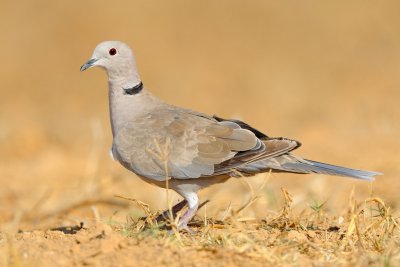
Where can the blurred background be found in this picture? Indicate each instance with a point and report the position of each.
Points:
(324, 73)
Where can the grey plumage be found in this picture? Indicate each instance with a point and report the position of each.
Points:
(309, 166)
(290, 163)
(198, 150)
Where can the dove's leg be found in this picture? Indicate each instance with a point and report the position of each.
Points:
(193, 204)
(175, 209)
(188, 190)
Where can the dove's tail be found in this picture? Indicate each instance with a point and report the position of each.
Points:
(290, 163)
(310, 166)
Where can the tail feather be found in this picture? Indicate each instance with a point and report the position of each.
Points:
(291, 163)
(319, 167)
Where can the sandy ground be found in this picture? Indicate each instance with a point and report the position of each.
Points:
(325, 74)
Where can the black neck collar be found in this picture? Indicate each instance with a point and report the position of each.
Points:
(134, 90)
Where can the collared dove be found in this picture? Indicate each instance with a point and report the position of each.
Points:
(158, 141)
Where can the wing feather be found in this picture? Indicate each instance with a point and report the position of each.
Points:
(197, 144)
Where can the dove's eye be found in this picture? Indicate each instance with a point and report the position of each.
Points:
(112, 51)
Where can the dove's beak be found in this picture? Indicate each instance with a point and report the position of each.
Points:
(88, 64)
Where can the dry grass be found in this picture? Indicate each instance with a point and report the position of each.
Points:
(367, 234)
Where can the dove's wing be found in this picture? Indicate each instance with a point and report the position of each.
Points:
(190, 143)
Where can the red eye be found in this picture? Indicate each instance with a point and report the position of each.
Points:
(112, 51)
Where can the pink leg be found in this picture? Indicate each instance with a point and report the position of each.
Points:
(193, 204)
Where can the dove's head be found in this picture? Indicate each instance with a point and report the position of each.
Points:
(116, 58)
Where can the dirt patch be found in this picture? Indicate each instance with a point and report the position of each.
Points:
(284, 239)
